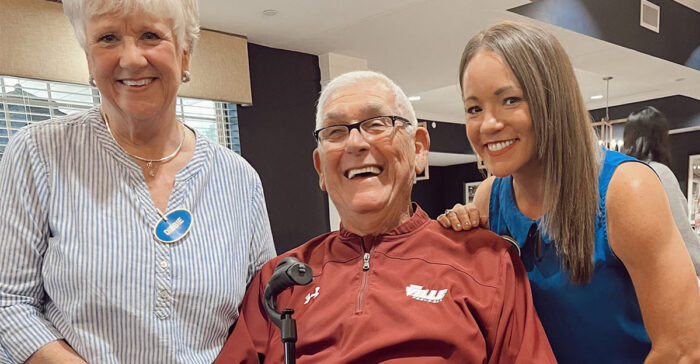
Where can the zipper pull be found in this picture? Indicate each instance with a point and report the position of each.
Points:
(366, 259)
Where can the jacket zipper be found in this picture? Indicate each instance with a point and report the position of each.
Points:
(365, 277)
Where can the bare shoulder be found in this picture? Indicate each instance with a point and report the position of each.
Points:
(634, 185)
(636, 208)
(633, 174)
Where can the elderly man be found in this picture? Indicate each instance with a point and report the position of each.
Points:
(391, 284)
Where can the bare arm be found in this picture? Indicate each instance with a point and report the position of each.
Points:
(465, 217)
(643, 235)
(55, 352)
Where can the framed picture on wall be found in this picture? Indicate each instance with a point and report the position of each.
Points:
(470, 191)
(424, 175)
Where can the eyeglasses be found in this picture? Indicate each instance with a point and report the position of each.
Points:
(371, 129)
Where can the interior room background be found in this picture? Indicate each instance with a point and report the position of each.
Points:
(260, 101)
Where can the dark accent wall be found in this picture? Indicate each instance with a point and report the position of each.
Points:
(617, 22)
(681, 111)
(448, 137)
(445, 187)
(683, 145)
(276, 138)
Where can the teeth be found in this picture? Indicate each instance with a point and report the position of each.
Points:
(141, 82)
(494, 147)
(354, 172)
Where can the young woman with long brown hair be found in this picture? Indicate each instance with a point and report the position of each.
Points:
(611, 279)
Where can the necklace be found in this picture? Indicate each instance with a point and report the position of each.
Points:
(174, 225)
(149, 162)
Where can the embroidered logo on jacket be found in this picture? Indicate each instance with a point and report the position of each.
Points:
(428, 295)
(312, 295)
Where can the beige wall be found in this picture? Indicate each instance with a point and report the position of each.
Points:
(38, 42)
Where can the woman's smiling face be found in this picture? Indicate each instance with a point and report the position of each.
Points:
(499, 125)
(135, 62)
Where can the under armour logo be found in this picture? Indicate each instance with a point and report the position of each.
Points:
(312, 295)
(418, 293)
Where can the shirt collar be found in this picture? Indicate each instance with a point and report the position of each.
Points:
(416, 220)
(518, 224)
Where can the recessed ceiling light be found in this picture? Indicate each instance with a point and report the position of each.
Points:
(596, 97)
(414, 98)
(270, 12)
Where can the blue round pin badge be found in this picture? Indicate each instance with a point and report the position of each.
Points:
(173, 226)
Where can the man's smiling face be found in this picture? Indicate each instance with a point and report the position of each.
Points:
(368, 177)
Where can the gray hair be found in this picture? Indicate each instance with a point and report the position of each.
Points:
(352, 78)
(183, 13)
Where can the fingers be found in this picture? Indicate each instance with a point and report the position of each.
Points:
(455, 222)
(443, 220)
(449, 219)
(463, 217)
(472, 214)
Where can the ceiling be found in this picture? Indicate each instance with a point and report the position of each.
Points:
(418, 44)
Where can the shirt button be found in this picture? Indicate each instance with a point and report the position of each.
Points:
(164, 293)
(163, 264)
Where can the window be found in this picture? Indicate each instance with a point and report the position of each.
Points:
(24, 101)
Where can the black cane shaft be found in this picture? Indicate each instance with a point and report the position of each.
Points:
(289, 353)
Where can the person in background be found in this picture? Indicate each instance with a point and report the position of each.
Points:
(611, 279)
(646, 138)
(126, 236)
(391, 284)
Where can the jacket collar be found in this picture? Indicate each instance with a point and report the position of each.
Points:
(418, 219)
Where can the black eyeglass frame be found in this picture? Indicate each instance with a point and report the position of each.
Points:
(356, 125)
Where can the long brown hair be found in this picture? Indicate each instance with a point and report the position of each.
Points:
(566, 146)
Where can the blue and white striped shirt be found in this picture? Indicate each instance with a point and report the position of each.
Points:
(79, 261)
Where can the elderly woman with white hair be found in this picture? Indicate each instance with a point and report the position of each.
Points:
(126, 237)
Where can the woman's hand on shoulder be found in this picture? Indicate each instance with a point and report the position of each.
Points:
(466, 217)
(461, 217)
(643, 235)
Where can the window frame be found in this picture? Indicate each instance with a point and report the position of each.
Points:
(215, 120)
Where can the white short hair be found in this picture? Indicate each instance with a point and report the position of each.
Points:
(352, 78)
(183, 13)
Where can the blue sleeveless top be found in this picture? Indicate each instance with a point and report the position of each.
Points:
(595, 323)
